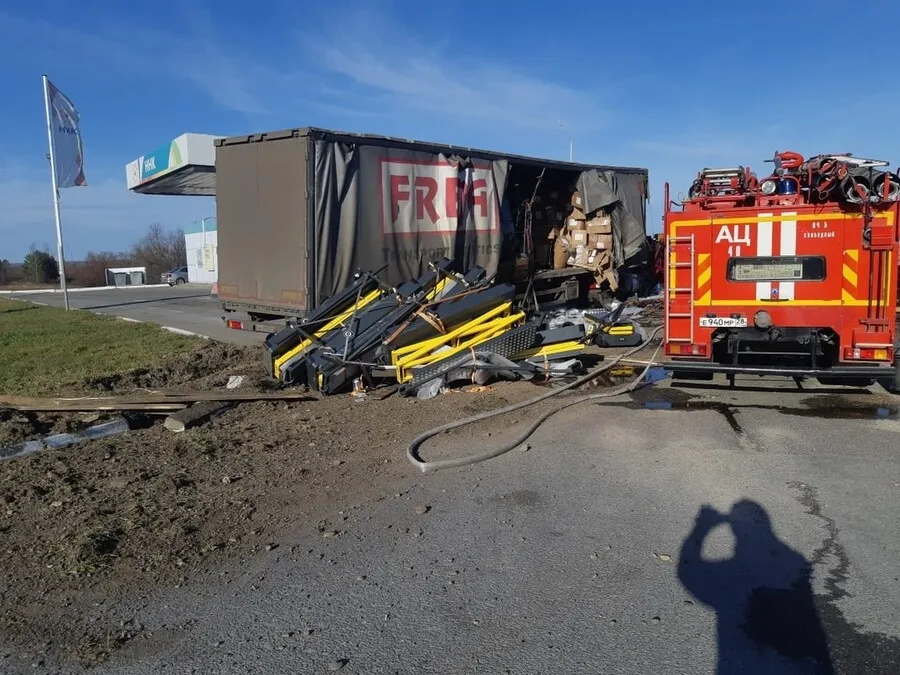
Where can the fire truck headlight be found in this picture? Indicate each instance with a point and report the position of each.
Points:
(762, 319)
(768, 187)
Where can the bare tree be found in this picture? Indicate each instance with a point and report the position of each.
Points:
(160, 250)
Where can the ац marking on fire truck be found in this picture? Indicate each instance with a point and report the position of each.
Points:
(734, 234)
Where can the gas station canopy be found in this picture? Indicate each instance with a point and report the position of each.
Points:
(185, 166)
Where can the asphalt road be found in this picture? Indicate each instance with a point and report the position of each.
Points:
(580, 554)
(187, 307)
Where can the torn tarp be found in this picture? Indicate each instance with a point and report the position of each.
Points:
(624, 197)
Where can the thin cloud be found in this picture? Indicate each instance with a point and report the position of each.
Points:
(412, 76)
(391, 72)
(222, 73)
(196, 57)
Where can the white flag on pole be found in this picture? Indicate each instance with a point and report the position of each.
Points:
(66, 140)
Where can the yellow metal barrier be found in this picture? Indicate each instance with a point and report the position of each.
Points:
(466, 336)
(335, 322)
(549, 351)
(438, 341)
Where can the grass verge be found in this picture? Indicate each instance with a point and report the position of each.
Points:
(46, 351)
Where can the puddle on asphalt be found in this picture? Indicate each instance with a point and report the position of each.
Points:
(823, 406)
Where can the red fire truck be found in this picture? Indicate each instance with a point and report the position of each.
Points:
(795, 274)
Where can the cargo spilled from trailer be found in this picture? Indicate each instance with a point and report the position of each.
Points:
(301, 211)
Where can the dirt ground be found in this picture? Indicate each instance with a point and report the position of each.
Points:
(151, 507)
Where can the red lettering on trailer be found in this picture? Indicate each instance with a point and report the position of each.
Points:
(451, 186)
(477, 196)
(431, 198)
(426, 191)
(398, 195)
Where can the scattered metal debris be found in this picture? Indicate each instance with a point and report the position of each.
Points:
(117, 426)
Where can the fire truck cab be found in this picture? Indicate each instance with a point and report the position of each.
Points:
(793, 275)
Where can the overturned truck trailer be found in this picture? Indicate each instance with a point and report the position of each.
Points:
(301, 211)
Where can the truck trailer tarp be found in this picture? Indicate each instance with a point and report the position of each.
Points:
(302, 210)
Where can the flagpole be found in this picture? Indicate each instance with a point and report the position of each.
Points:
(59, 238)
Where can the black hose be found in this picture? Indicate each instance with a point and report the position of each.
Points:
(412, 451)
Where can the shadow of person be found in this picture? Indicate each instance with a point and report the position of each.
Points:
(766, 617)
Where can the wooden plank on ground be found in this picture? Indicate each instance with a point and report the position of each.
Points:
(196, 414)
(150, 402)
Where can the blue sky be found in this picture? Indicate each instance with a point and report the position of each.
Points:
(671, 86)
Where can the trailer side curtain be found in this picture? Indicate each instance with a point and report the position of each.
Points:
(377, 207)
(626, 196)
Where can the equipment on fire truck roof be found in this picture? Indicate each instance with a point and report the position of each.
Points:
(796, 180)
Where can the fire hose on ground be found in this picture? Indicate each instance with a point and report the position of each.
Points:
(412, 451)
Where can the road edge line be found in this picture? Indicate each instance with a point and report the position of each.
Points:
(182, 331)
(37, 291)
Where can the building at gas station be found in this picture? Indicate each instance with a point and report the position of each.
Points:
(185, 166)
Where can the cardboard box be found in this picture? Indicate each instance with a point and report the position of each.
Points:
(598, 260)
(560, 253)
(600, 241)
(576, 224)
(577, 200)
(581, 255)
(578, 214)
(609, 276)
(579, 237)
(599, 225)
(603, 260)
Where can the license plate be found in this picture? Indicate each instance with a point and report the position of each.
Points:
(722, 322)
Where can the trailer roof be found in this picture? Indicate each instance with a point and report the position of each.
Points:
(427, 146)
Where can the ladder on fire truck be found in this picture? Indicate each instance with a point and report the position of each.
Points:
(677, 306)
